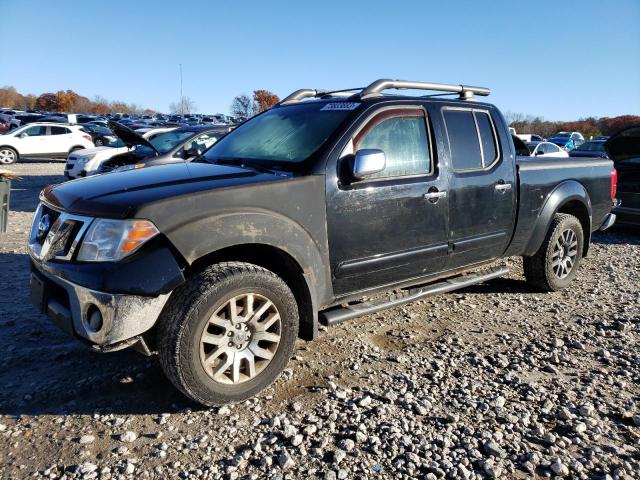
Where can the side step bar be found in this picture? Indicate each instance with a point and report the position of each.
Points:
(338, 315)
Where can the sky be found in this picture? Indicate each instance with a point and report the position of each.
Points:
(561, 60)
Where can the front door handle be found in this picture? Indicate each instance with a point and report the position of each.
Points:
(435, 195)
(503, 187)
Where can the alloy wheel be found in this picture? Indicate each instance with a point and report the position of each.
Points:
(564, 254)
(7, 156)
(240, 338)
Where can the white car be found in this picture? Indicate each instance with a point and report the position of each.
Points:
(546, 149)
(83, 163)
(42, 140)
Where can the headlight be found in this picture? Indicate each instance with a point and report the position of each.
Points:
(85, 158)
(112, 240)
(124, 168)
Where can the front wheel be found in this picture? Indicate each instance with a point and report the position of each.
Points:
(8, 155)
(556, 262)
(227, 333)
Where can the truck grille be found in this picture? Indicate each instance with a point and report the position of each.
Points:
(56, 234)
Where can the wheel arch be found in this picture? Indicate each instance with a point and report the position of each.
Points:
(12, 147)
(569, 197)
(279, 262)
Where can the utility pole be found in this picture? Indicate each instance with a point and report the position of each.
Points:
(181, 97)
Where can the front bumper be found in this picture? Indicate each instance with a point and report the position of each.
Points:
(68, 305)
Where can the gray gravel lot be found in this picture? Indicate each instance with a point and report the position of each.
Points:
(495, 381)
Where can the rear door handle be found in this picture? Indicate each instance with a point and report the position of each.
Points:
(433, 197)
(503, 187)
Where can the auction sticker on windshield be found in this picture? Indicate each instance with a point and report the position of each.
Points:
(341, 106)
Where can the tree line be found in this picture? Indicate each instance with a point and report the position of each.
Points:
(589, 127)
(65, 101)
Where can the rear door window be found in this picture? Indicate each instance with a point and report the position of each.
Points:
(472, 139)
(59, 131)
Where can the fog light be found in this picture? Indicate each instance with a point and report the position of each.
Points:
(94, 318)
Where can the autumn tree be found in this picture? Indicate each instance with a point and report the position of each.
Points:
(243, 106)
(183, 106)
(264, 99)
(48, 102)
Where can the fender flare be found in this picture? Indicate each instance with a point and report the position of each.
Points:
(564, 193)
(204, 236)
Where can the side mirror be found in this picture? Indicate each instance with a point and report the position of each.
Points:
(539, 152)
(22, 135)
(193, 152)
(368, 162)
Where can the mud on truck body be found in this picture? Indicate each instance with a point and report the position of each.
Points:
(292, 219)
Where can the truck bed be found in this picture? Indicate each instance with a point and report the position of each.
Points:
(538, 179)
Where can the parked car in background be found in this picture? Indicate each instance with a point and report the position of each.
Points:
(42, 140)
(100, 135)
(545, 149)
(5, 123)
(624, 149)
(592, 148)
(87, 162)
(49, 140)
(23, 119)
(530, 137)
(178, 145)
(567, 140)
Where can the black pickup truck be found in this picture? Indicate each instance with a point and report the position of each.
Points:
(306, 214)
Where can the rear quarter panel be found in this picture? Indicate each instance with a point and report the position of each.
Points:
(545, 185)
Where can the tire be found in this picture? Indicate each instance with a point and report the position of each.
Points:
(188, 322)
(8, 156)
(556, 262)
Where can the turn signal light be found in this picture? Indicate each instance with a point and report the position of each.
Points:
(137, 235)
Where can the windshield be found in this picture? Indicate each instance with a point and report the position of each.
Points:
(591, 147)
(288, 134)
(169, 140)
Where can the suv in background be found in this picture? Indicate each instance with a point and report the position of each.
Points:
(42, 140)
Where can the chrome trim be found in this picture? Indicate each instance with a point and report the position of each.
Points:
(435, 195)
(465, 91)
(61, 227)
(503, 187)
(368, 162)
(302, 94)
(608, 222)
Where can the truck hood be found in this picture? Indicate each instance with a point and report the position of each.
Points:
(624, 144)
(121, 195)
(129, 137)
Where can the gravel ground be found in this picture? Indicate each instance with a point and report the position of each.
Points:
(495, 381)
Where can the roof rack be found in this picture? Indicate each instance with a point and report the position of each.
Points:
(465, 91)
(302, 94)
(376, 88)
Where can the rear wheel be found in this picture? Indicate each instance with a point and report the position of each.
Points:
(556, 262)
(228, 333)
(8, 155)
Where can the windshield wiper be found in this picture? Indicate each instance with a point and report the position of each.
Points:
(242, 162)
